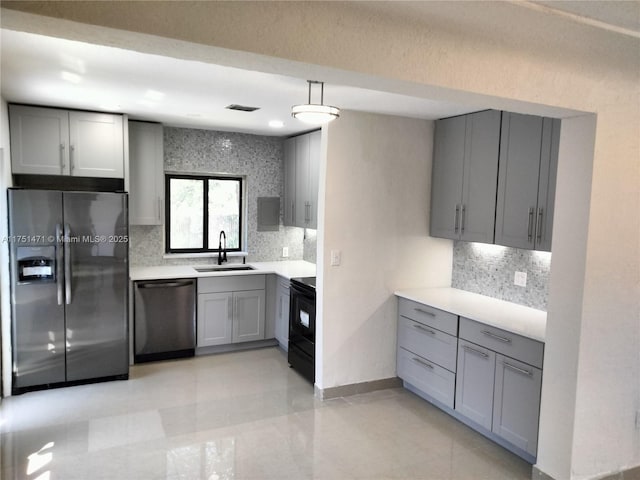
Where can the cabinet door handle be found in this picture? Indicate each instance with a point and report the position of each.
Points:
(419, 310)
(539, 226)
(160, 210)
(455, 220)
(462, 218)
(473, 350)
(62, 164)
(72, 150)
(422, 362)
(424, 329)
(517, 369)
(496, 337)
(530, 229)
(293, 212)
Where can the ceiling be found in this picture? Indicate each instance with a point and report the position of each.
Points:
(52, 71)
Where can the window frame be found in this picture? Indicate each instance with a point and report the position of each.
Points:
(206, 248)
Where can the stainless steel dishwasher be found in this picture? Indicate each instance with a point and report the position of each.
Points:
(165, 319)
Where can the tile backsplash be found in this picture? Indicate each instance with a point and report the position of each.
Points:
(489, 270)
(257, 158)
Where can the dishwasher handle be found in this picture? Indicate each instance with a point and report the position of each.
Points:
(174, 284)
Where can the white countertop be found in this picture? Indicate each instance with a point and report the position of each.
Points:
(288, 269)
(508, 316)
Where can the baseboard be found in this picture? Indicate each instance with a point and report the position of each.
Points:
(357, 388)
(632, 473)
(235, 347)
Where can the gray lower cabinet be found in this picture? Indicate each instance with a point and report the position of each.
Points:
(427, 348)
(230, 310)
(474, 383)
(487, 377)
(527, 181)
(282, 312)
(516, 403)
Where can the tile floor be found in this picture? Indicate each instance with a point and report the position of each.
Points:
(242, 415)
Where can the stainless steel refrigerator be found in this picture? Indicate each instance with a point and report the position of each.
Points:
(69, 274)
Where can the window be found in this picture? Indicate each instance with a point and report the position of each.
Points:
(199, 208)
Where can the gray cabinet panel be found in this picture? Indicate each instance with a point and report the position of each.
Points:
(146, 169)
(516, 403)
(515, 346)
(418, 312)
(302, 180)
(477, 216)
(248, 316)
(547, 183)
(215, 319)
(39, 140)
(314, 178)
(289, 181)
(435, 381)
(97, 145)
(282, 312)
(474, 383)
(446, 177)
(432, 344)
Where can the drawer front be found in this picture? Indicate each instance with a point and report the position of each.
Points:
(514, 346)
(233, 283)
(439, 319)
(435, 381)
(432, 344)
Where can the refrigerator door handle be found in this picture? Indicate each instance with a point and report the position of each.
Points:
(59, 266)
(67, 264)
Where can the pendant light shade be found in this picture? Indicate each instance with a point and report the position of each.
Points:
(313, 113)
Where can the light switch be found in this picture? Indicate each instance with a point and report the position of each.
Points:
(336, 258)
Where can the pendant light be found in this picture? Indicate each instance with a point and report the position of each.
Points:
(313, 113)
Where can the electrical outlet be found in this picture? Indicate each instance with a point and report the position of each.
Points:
(520, 279)
(285, 252)
(336, 258)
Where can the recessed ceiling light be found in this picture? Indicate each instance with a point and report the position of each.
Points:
(276, 124)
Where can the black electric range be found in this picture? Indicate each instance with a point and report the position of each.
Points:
(302, 327)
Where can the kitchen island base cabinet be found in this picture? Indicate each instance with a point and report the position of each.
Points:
(230, 310)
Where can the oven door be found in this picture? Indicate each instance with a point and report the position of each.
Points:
(302, 320)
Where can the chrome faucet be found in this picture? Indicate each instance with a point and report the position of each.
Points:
(222, 252)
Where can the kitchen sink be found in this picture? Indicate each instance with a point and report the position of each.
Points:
(222, 268)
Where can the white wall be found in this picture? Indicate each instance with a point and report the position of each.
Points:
(503, 55)
(376, 202)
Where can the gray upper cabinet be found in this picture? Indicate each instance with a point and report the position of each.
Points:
(465, 168)
(301, 177)
(49, 141)
(146, 169)
(526, 181)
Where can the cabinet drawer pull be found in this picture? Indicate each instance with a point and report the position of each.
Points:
(422, 362)
(462, 219)
(473, 350)
(539, 226)
(419, 310)
(517, 369)
(424, 329)
(496, 337)
(530, 229)
(72, 150)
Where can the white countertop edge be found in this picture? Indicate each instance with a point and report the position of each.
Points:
(287, 269)
(526, 321)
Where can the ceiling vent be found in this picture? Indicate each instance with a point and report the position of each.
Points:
(241, 108)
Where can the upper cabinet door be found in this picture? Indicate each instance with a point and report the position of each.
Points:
(482, 143)
(519, 171)
(547, 183)
(301, 210)
(39, 140)
(463, 184)
(146, 169)
(314, 178)
(97, 145)
(289, 181)
(446, 177)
